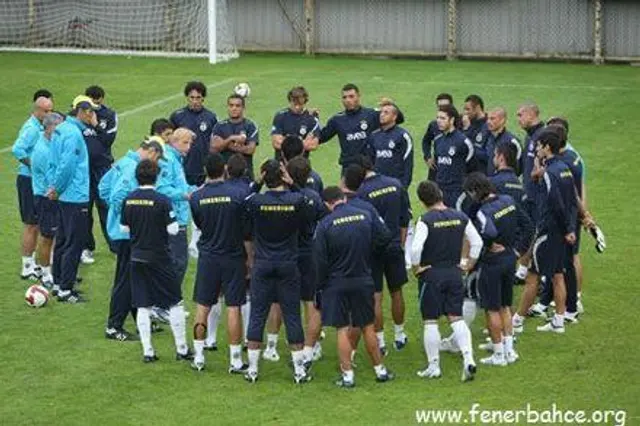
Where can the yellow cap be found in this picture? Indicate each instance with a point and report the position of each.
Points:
(84, 102)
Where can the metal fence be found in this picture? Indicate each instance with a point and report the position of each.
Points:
(592, 30)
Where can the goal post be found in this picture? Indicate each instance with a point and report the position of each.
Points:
(166, 28)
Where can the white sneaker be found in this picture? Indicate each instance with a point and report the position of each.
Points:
(488, 346)
(571, 318)
(537, 310)
(448, 345)
(87, 257)
(431, 372)
(580, 307)
(270, 354)
(512, 357)
(521, 272)
(551, 327)
(494, 359)
(518, 326)
(468, 372)
(30, 272)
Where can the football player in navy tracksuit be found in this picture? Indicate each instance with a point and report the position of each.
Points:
(21, 150)
(149, 219)
(389, 197)
(277, 217)
(556, 232)
(453, 155)
(299, 169)
(236, 134)
(506, 231)
(292, 146)
(353, 126)
(495, 135)
(435, 255)
(343, 244)
(529, 120)
(431, 132)
(199, 120)
(218, 211)
(296, 120)
(477, 128)
(99, 141)
(505, 179)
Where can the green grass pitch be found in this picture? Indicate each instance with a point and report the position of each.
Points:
(57, 368)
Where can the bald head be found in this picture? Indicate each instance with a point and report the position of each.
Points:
(41, 107)
(497, 120)
(181, 139)
(528, 115)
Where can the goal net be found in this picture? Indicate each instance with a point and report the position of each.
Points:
(127, 27)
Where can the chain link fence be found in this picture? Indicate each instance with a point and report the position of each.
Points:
(569, 29)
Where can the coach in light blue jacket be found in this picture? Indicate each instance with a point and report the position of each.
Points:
(22, 149)
(70, 187)
(173, 183)
(113, 188)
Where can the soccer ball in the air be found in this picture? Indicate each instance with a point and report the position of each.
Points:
(36, 296)
(242, 89)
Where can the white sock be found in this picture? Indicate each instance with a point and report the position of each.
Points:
(245, 311)
(380, 337)
(254, 358)
(212, 324)
(521, 272)
(517, 319)
(272, 341)
(27, 262)
(432, 343)
(398, 330)
(307, 351)
(143, 321)
(498, 350)
(298, 362)
(469, 309)
(348, 376)
(198, 347)
(558, 320)
(508, 344)
(462, 336)
(380, 369)
(178, 328)
(235, 355)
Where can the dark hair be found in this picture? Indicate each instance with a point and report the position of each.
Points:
(197, 86)
(146, 172)
(509, 152)
(214, 166)
(350, 86)
(478, 186)
(94, 92)
(332, 194)
(292, 146)
(298, 92)
(429, 193)
(42, 93)
(550, 138)
(365, 162)
(353, 177)
(444, 96)
(272, 173)
(475, 101)
(559, 121)
(236, 96)
(561, 131)
(159, 125)
(237, 166)
(451, 112)
(299, 169)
